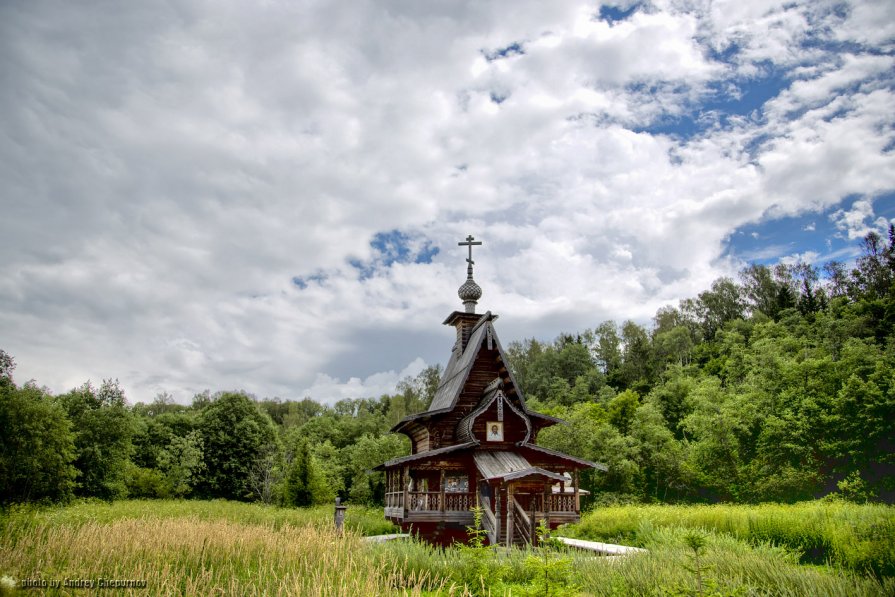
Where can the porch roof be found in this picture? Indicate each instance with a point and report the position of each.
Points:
(508, 466)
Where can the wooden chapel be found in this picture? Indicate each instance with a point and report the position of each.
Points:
(476, 446)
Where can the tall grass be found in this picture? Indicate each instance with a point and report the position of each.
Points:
(852, 536)
(203, 548)
(728, 567)
(360, 519)
(200, 553)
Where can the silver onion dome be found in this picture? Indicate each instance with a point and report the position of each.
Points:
(470, 293)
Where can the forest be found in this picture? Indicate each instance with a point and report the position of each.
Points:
(775, 386)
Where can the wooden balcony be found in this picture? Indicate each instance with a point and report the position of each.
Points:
(429, 506)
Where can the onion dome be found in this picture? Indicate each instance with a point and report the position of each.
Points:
(469, 292)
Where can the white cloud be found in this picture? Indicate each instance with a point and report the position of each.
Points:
(329, 390)
(854, 222)
(168, 170)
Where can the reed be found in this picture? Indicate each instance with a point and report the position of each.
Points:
(200, 556)
(859, 537)
(205, 548)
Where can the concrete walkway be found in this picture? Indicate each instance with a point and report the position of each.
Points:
(606, 549)
(384, 538)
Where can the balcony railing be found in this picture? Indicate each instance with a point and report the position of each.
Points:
(430, 501)
(557, 502)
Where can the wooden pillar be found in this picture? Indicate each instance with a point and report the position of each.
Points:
(533, 521)
(577, 494)
(510, 509)
(405, 484)
(496, 495)
(548, 491)
(441, 489)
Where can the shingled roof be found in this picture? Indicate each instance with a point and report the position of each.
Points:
(457, 372)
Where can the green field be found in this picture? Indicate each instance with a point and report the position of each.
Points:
(219, 547)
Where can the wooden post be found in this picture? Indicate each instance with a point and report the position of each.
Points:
(441, 488)
(340, 515)
(533, 521)
(510, 512)
(497, 513)
(405, 484)
(548, 491)
(577, 494)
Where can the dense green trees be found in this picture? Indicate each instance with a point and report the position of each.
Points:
(103, 430)
(235, 433)
(36, 442)
(778, 386)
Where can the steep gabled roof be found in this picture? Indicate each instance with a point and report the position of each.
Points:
(454, 378)
(457, 372)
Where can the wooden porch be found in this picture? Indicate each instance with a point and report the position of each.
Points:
(515, 524)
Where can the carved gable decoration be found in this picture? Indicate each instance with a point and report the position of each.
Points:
(478, 426)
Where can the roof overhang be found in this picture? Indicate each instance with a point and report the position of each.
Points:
(423, 456)
(578, 462)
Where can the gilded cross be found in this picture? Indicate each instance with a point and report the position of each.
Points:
(470, 240)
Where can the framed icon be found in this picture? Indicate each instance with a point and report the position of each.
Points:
(456, 484)
(494, 430)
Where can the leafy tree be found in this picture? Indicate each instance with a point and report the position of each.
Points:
(266, 474)
(660, 456)
(36, 444)
(673, 346)
(636, 372)
(719, 305)
(367, 485)
(607, 349)
(234, 433)
(715, 454)
(299, 413)
(182, 463)
(621, 410)
(103, 429)
(7, 365)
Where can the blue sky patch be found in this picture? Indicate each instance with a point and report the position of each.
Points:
(392, 247)
(613, 14)
(303, 281)
(719, 106)
(514, 49)
(770, 240)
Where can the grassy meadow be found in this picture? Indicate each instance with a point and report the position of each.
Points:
(220, 547)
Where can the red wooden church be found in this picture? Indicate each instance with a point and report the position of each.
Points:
(476, 446)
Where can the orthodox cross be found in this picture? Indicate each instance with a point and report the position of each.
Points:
(470, 240)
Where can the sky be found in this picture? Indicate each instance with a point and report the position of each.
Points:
(268, 196)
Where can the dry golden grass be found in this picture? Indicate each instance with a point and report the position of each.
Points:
(189, 556)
